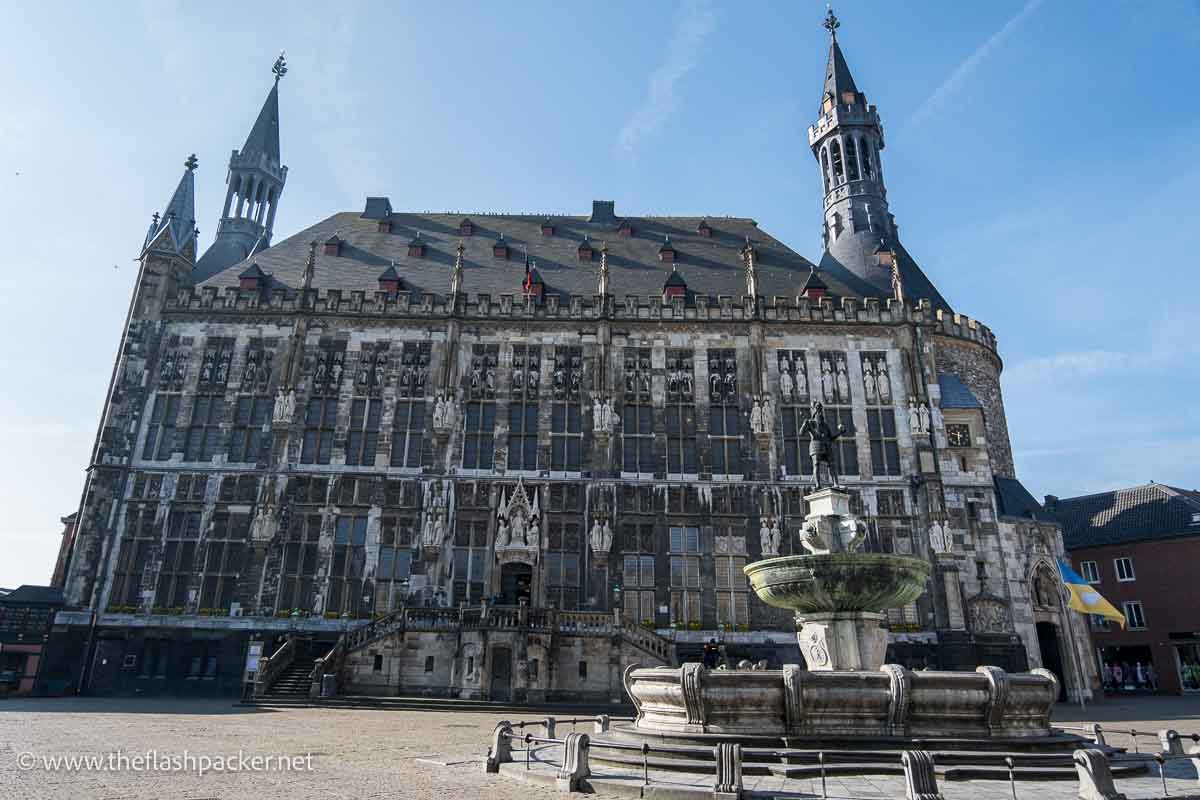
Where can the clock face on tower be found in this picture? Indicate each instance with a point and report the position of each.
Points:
(958, 435)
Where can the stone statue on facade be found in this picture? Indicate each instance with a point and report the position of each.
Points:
(756, 421)
(768, 537)
(939, 538)
(502, 537)
(601, 536)
(786, 384)
(820, 446)
(923, 416)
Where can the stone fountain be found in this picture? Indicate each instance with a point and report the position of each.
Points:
(837, 591)
(845, 693)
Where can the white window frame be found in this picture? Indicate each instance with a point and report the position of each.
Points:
(1127, 607)
(1117, 568)
(1086, 567)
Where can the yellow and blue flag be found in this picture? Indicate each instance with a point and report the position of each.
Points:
(1084, 598)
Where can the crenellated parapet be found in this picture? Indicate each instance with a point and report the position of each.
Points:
(700, 308)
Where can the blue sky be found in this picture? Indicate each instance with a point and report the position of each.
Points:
(1043, 162)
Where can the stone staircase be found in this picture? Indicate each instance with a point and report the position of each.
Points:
(294, 682)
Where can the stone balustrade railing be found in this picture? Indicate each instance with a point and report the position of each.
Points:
(497, 617)
(271, 667)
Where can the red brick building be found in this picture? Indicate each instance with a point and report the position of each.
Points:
(1140, 548)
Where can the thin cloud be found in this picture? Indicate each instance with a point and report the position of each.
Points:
(959, 76)
(693, 24)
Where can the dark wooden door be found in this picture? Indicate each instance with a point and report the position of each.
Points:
(500, 687)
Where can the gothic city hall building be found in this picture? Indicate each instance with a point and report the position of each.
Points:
(507, 456)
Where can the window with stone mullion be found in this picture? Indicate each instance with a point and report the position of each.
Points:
(178, 558)
(349, 564)
(362, 439)
(319, 423)
(204, 433)
(685, 574)
(637, 438)
(881, 415)
(408, 433)
(837, 396)
(733, 597)
(562, 565)
(395, 561)
(637, 574)
(566, 437)
(160, 433)
(470, 560)
(298, 573)
(224, 551)
(479, 443)
(248, 442)
(522, 435)
(136, 547)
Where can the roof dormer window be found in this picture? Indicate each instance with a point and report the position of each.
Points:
(333, 245)
(547, 227)
(416, 247)
(666, 253)
(585, 250)
(500, 248)
(385, 226)
(674, 286)
(253, 278)
(466, 227)
(704, 229)
(625, 229)
(389, 281)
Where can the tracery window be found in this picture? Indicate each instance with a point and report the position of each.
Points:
(523, 408)
(349, 564)
(680, 414)
(566, 425)
(160, 433)
(178, 558)
(362, 439)
(794, 398)
(685, 574)
(724, 413)
(836, 394)
(479, 442)
(865, 150)
(396, 526)
(851, 159)
(470, 559)
(637, 428)
(637, 575)
(835, 155)
(297, 579)
(224, 551)
(248, 441)
(319, 425)
(562, 564)
(137, 544)
(881, 415)
(733, 595)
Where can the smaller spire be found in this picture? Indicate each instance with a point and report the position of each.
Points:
(280, 68)
(456, 273)
(310, 266)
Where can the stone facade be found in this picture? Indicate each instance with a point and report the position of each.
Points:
(285, 450)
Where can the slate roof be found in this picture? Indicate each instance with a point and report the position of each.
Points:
(1016, 501)
(710, 265)
(955, 393)
(33, 595)
(1142, 513)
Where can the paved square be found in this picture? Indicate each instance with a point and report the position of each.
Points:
(380, 754)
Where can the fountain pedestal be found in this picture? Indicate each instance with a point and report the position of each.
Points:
(841, 640)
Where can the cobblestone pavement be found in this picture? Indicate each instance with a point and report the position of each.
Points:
(357, 754)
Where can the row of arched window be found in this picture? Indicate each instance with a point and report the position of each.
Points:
(860, 160)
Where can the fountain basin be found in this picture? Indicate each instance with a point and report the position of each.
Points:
(838, 582)
(796, 703)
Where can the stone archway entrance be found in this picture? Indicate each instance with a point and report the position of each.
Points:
(1052, 657)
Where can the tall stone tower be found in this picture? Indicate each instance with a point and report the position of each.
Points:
(861, 239)
(166, 262)
(254, 184)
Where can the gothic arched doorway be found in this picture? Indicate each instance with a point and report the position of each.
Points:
(1047, 634)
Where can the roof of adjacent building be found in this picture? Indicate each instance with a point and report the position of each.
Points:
(27, 594)
(710, 265)
(1141, 513)
(1016, 501)
(955, 393)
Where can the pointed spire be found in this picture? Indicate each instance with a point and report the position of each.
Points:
(838, 80)
(264, 136)
(176, 228)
